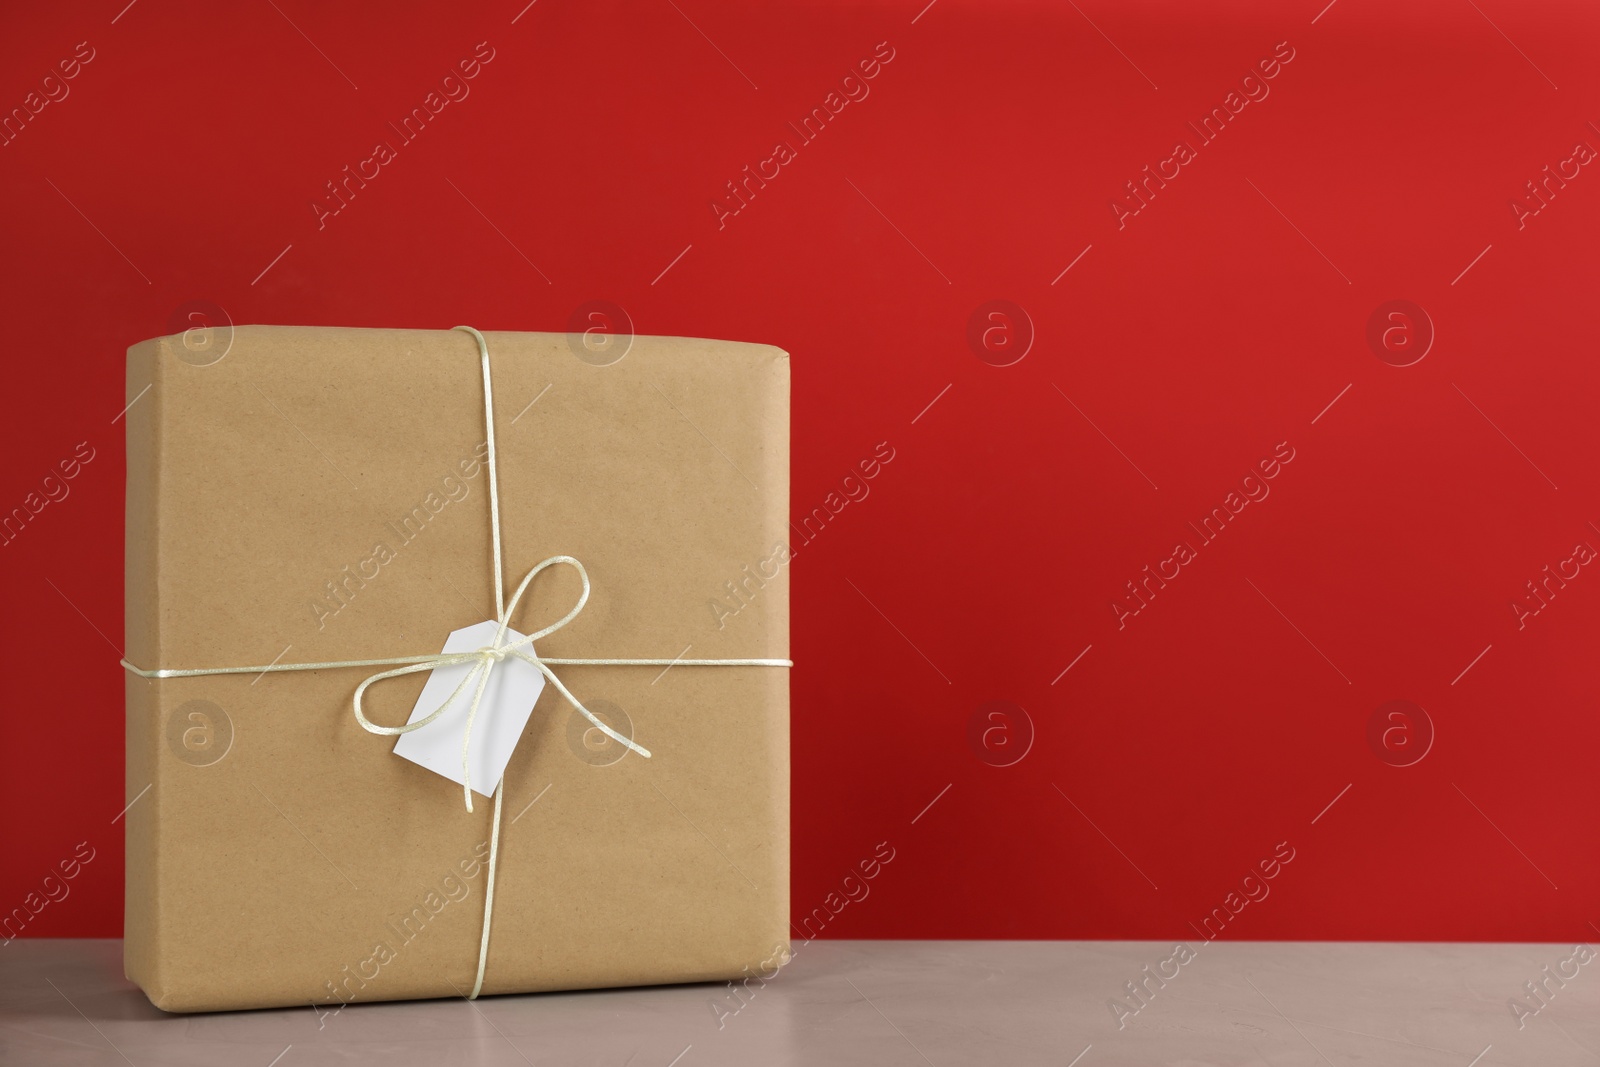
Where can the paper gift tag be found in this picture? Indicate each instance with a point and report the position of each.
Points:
(508, 698)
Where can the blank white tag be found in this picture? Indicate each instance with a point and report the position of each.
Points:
(514, 685)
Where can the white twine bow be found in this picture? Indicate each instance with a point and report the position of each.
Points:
(483, 661)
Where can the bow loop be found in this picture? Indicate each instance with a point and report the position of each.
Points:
(483, 661)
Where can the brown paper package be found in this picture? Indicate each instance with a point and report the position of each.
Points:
(319, 495)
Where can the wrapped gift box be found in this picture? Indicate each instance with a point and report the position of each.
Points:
(320, 495)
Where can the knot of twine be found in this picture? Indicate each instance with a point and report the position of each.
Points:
(483, 661)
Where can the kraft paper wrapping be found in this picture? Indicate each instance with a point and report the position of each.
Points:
(319, 495)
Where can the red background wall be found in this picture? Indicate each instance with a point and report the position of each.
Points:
(1180, 349)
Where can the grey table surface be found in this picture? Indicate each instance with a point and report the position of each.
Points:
(879, 1002)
